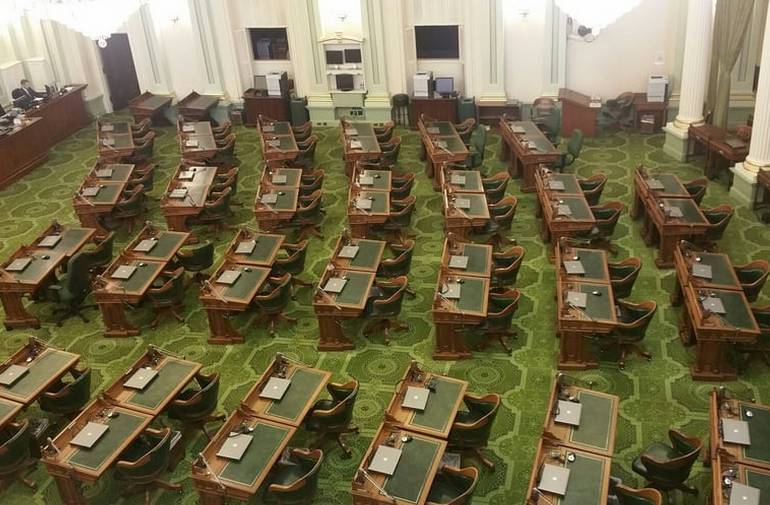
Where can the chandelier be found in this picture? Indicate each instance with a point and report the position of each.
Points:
(96, 19)
(596, 14)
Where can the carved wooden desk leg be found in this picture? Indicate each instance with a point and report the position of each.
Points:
(222, 332)
(16, 315)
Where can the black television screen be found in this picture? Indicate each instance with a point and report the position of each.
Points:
(437, 42)
(345, 82)
(334, 58)
(352, 56)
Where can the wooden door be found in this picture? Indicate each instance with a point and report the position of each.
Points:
(118, 66)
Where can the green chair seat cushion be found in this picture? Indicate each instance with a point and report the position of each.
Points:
(286, 473)
(658, 451)
(443, 491)
(749, 275)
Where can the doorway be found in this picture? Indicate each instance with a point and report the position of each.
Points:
(119, 70)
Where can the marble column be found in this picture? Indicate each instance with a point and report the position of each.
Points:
(744, 186)
(377, 104)
(695, 74)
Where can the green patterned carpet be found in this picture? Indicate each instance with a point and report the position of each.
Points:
(655, 396)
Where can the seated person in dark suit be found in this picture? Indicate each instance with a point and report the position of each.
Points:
(25, 96)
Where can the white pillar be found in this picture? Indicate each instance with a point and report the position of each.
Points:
(485, 65)
(377, 104)
(744, 186)
(695, 74)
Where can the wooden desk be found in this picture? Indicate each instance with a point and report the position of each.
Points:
(577, 113)
(714, 141)
(63, 114)
(367, 259)
(598, 419)
(71, 465)
(91, 210)
(589, 476)
(669, 231)
(266, 247)
(114, 140)
(150, 106)
(441, 145)
(714, 333)
(272, 216)
(221, 301)
(112, 294)
(642, 107)
(594, 263)
(450, 315)
(749, 475)
(241, 479)
(22, 149)
(255, 103)
(381, 180)
(46, 366)
(441, 109)
(527, 148)
(645, 196)
(722, 272)
(174, 373)
(111, 172)
(461, 181)
(307, 384)
(196, 140)
(45, 260)
(479, 257)
(332, 308)
(461, 222)
(361, 220)
(444, 401)
(489, 115)
(196, 183)
(196, 107)
(556, 224)
(359, 143)
(575, 325)
(757, 454)
(414, 474)
(276, 138)
(277, 179)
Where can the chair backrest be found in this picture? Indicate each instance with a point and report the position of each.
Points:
(304, 488)
(172, 291)
(311, 212)
(101, 254)
(461, 480)
(132, 205)
(275, 301)
(623, 276)
(151, 464)
(507, 274)
(752, 277)
(295, 262)
(197, 257)
(78, 279)
(15, 451)
(474, 429)
(199, 403)
(762, 317)
(399, 265)
(504, 211)
(674, 470)
(389, 303)
(403, 190)
(719, 217)
(341, 414)
(575, 143)
(502, 307)
(220, 203)
(592, 188)
(479, 142)
(402, 217)
(634, 319)
(607, 217)
(71, 397)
